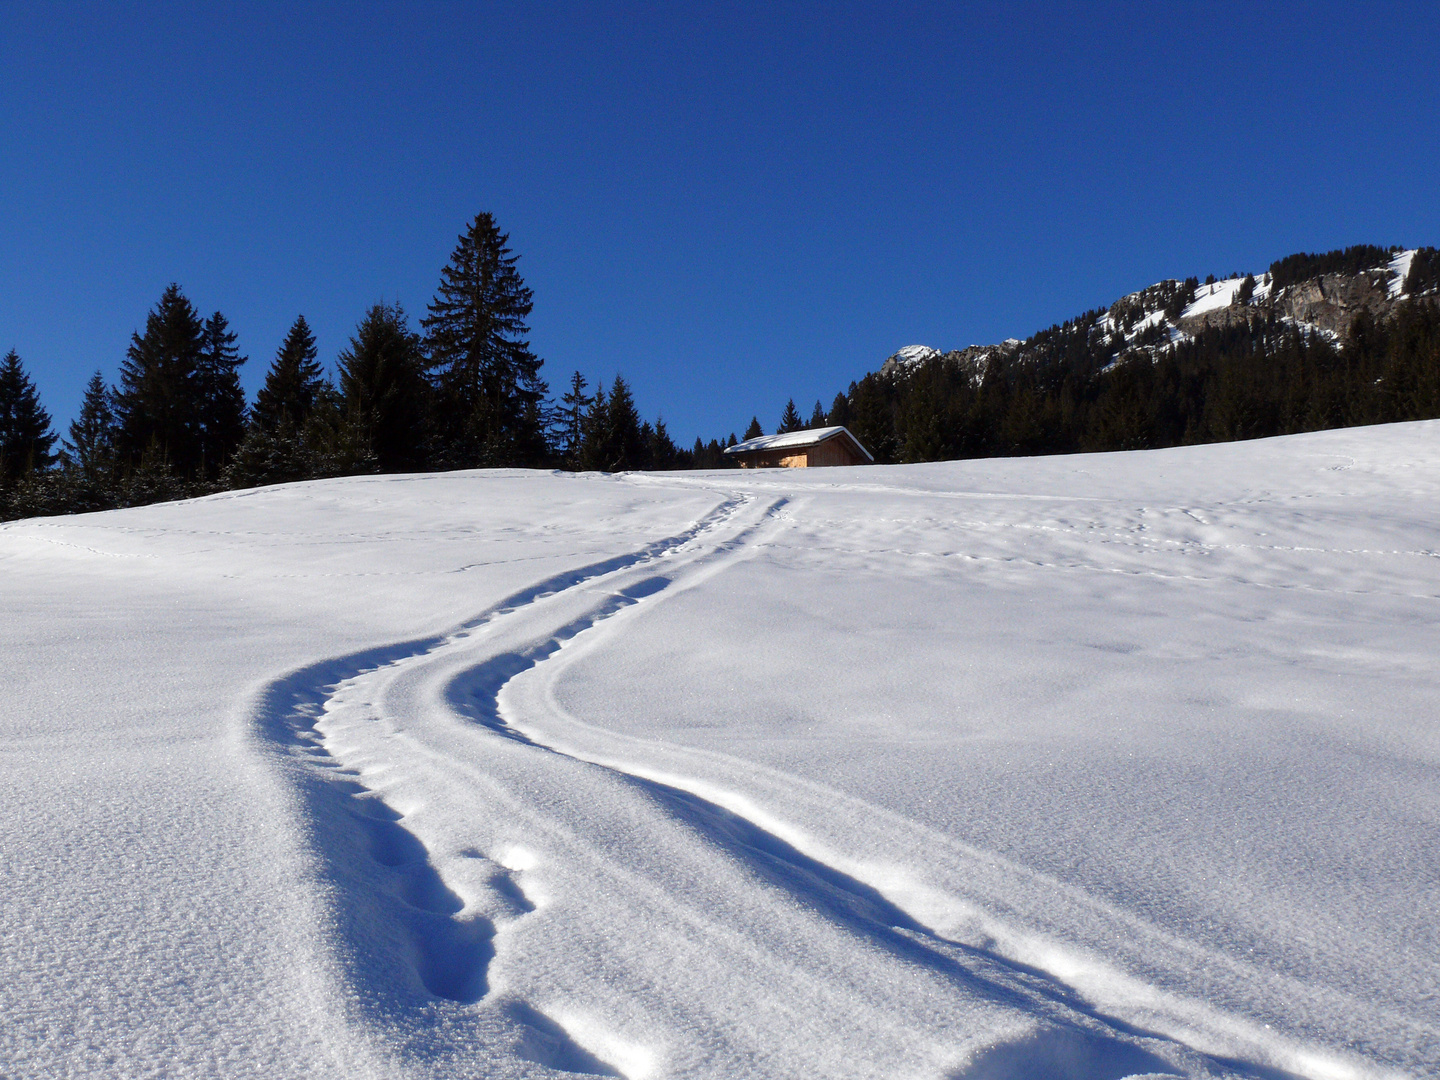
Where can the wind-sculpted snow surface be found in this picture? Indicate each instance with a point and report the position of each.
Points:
(1089, 767)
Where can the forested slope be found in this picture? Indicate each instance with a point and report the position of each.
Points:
(1319, 341)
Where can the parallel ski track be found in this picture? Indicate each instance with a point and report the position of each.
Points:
(403, 896)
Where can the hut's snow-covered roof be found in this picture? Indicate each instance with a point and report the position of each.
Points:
(795, 440)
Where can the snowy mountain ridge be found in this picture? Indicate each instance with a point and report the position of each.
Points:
(1172, 311)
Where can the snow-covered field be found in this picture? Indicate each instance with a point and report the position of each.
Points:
(1079, 767)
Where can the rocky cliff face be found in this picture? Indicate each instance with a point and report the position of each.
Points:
(1328, 303)
(974, 358)
(1158, 317)
(1332, 302)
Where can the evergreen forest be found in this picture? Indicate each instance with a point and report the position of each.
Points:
(461, 388)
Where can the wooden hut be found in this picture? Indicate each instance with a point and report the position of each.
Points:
(801, 450)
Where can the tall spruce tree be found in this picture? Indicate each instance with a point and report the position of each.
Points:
(91, 445)
(593, 429)
(279, 443)
(293, 384)
(476, 334)
(817, 416)
(156, 404)
(25, 434)
(661, 452)
(754, 431)
(386, 397)
(220, 397)
(615, 437)
(574, 407)
(790, 419)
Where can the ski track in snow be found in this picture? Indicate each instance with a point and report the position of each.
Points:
(450, 949)
(426, 905)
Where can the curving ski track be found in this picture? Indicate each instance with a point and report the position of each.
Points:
(384, 744)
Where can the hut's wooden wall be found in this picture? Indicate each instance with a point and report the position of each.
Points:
(772, 459)
(836, 451)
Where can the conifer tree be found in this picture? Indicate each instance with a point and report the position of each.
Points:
(220, 397)
(386, 397)
(709, 455)
(476, 334)
(1183, 294)
(91, 444)
(615, 438)
(817, 416)
(644, 458)
(156, 403)
(839, 415)
(280, 441)
(575, 405)
(754, 431)
(293, 384)
(271, 457)
(1424, 275)
(790, 419)
(25, 434)
(593, 429)
(662, 452)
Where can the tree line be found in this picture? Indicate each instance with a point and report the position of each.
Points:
(1349, 261)
(462, 389)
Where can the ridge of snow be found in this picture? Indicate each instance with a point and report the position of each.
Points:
(1155, 318)
(910, 355)
(1213, 297)
(1399, 269)
(1221, 294)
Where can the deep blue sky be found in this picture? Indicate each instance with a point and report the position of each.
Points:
(729, 207)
